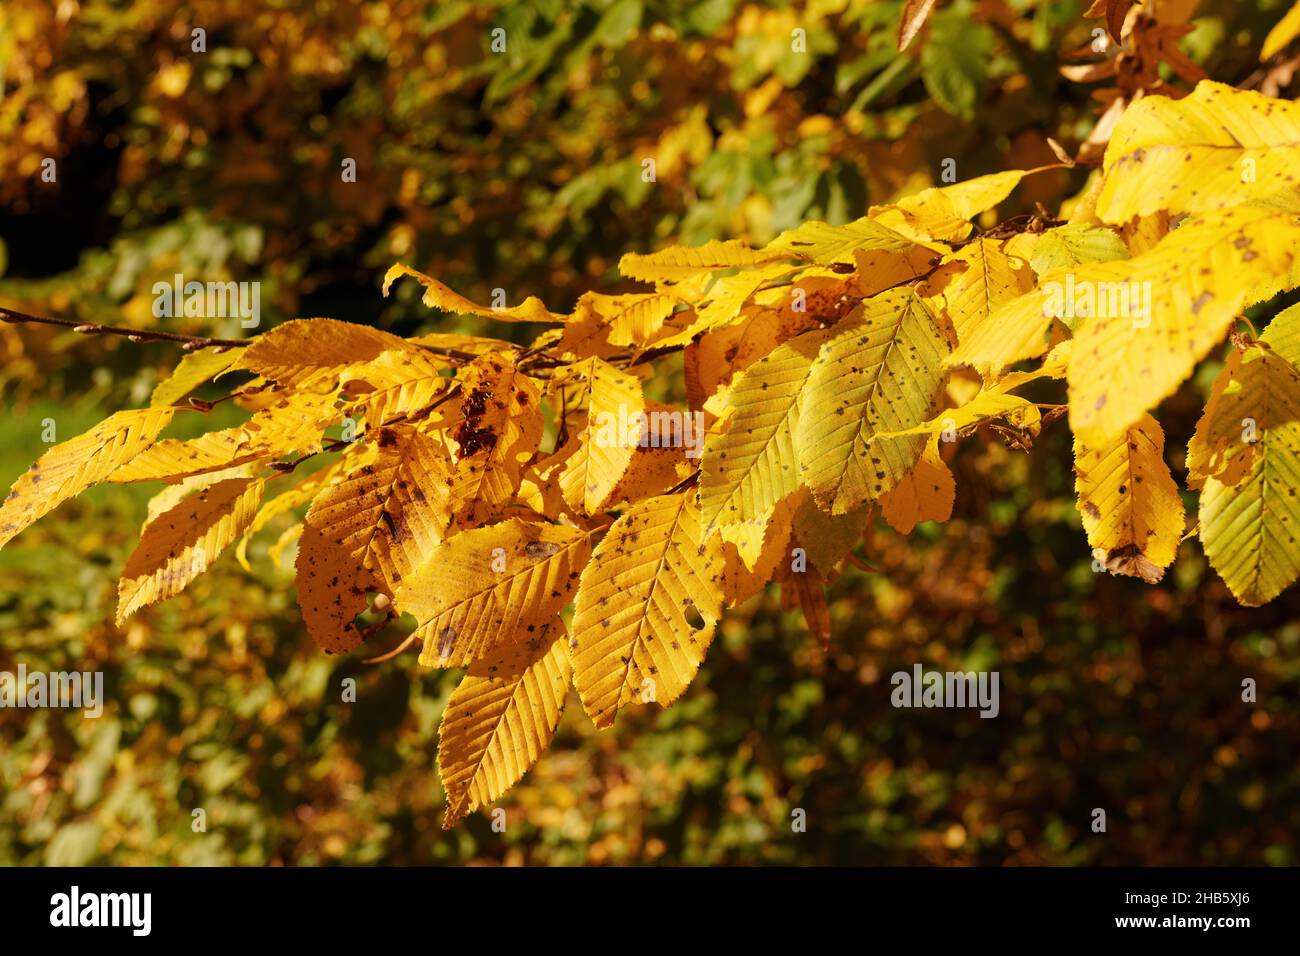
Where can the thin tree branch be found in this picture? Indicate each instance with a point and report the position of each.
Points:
(190, 342)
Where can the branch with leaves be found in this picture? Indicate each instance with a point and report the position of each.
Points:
(547, 525)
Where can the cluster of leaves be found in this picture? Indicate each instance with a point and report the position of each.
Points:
(480, 487)
(214, 701)
(226, 164)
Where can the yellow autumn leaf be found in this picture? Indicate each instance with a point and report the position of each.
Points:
(759, 541)
(1143, 233)
(1254, 394)
(824, 244)
(294, 422)
(1021, 327)
(495, 585)
(180, 544)
(499, 430)
(751, 465)
(174, 494)
(715, 358)
(1280, 37)
(586, 334)
(826, 539)
(1251, 530)
(68, 469)
(944, 213)
(1129, 501)
(1283, 335)
(300, 494)
(633, 319)
(500, 718)
(610, 431)
(647, 606)
(881, 372)
(194, 369)
(395, 385)
(988, 404)
(1075, 245)
(310, 353)
(876, 270)
(369, 530)
(1182, 297)
(682, 262)
(658, 464)
(1218, 147)
(724, 300)
(748, 537)
(992, 278)
(439, 296)
(287, 539)
(1246, 457)
(751, 554)
(1055, 365)
(926, 493)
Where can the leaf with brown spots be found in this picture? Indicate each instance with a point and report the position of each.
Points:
(499, 430)
(369, 530)
(881, 372)
(181, 543)
(1217, 148)
(1247, 453)
(1198, 278)
(749, 460)
(1129, 502)
(501, 584)
(657, 465)
(716, 357)
(646, 609)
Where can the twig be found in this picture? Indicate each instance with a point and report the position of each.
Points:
(411, 638)
(190, 342)
(285, 467)
(426, 411)
(684, 483)
(456, 356)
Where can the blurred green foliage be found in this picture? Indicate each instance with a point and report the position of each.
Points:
(524, 170)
